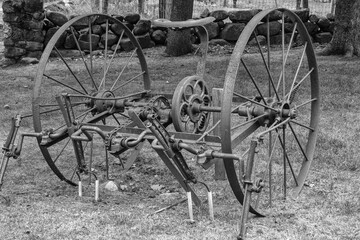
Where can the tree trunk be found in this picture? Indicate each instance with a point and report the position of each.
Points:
(305, 3)
(141, 6)
(105, 6)
(234, 3)
(179, 41)
(225, 3)
(298, 3)
(346, 38)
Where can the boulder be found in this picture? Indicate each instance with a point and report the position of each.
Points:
(142, 27)
(132, 18)
(221, 24)
(97, 29)
(70, 41)
(111, 39)
(303, 14)
(118, 17)
(145, 41)
(277, 39)
(40, 16)
(205, 13)
(50, 33)
(48, 24)
(126, 44)
(313, 18)
(242, 16)
(34, 46)
(288, 27)
(29, 60)
(323, 37)
(232, 31)
(84, 41)
(158, 36)
(82, 23)
(324, 24)
(57, 18)
(33, 5)
(212, 29)
(35, 35)
(14, 52)
(118, 28)
(312, 28)
(261, 39)
(219, 15)
(330, 16)
(274, 26)
(275, 15)
(35, 54)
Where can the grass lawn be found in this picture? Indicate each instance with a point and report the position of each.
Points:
(34, 204)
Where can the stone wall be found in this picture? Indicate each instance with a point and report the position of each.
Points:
(23, 28)
(28, 27)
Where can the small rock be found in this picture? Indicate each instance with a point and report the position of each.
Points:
(6, 106)
(124, 187)
(111, 186)
(29, 60)
(157, 187)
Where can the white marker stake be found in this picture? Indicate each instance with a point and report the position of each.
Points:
(188, 194)
(96, 190)
(80, 189)
(211, 206)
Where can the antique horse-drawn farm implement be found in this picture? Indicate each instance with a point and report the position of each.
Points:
(264, 129)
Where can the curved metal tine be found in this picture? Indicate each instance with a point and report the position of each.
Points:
(266, 66)
(81, 53)
(287, 53)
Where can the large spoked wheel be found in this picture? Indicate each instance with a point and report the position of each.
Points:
(271, 97)
(84, 86)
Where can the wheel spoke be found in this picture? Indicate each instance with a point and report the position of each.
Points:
(62, 150)
(287, 53)
(305, 103)
(267, 67)
(111, 60)
(296, 73)
(129, 81)
(302, 80)
(81, 54)
(65, 85)
(302, 125)
(298, 142)
(247, 122)
(253, 101)
(71, 71)
(253, 81)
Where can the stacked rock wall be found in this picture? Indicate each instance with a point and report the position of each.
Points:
(28, 28)
(23, 28)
